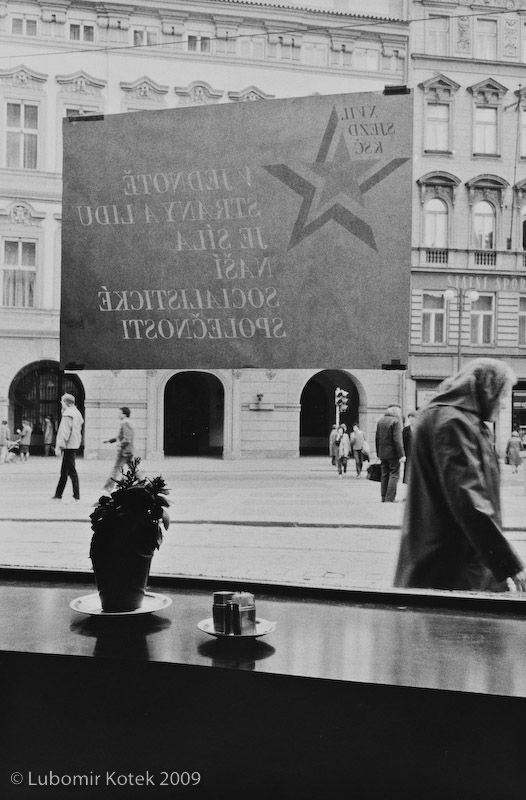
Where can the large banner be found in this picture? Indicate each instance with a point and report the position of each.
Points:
(264, 234)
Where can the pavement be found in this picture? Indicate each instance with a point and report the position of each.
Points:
(273, 520)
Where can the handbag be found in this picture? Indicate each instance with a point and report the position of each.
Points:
(374, 472)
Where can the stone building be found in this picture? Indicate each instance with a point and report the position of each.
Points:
(469, 205)
(62, 59)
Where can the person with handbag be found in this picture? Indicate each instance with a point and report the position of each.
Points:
(343, 444)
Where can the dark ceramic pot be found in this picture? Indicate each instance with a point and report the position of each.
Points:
(121, 578)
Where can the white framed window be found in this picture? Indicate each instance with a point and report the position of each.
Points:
(437, 127)
(485, 130)
(436, 223)
(522, 320)
(226, 45)
(482, 319)
(286, 48)
(365, 58)
(252, 47)
(486, 39)
(145, 37)
(21, 135)
(196, 43)
(316, 54)
(18, 273)
(484, 225)
(433, 318)
(437, 39)
(24, 26)
(342, 56)
(81, 32)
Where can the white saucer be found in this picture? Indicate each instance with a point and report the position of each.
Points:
(90, 604)
(263, 626)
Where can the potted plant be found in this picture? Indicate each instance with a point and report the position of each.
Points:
(127, 529)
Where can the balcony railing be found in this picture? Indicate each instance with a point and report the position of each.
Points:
(485, 258)
(436, 256)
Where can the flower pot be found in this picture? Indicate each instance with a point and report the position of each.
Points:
(121, 578)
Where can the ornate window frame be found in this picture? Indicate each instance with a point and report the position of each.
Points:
(21, 84)
(441, 186)
(439, 90)
(490, 188)
(488, 93)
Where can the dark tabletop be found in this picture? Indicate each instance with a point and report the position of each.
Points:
(468, 651)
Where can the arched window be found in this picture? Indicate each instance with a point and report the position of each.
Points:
(435, 224)
(484, 226)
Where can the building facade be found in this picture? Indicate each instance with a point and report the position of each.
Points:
(469, 205)
(61, 59)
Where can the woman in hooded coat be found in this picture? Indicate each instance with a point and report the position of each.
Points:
(452, 530)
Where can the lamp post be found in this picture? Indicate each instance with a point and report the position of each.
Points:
(463, 295)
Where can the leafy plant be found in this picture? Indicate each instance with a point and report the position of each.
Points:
(132, 516)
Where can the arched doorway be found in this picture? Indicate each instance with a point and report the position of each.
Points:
(318, 412)
(35, 393)
(194, 404)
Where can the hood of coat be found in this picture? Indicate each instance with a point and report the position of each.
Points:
(477, 388)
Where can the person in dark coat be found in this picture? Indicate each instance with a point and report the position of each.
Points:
(407, 435)
(452, 529)
(390, 451)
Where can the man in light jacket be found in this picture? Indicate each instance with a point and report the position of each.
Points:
(69, 438)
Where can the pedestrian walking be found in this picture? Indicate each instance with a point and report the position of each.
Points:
(333, 450)
(4, 441)
(49, 436)
(452, 529)
(25, 439)
(344, 448)
(390, 451)
(124, 440)
(407, 436)
(513, 451)
(357, 445)
(69, 439)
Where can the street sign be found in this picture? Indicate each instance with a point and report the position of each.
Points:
(268, 234)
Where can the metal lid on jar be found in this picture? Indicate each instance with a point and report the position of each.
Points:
(222, 598)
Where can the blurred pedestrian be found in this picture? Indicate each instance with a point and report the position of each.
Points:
(69, 439)
(4, 441)
(513, 451)
(25, 439)
(49, 436)
(344, 448)
(407, 436)
(357, 444)
(333, 451)
(452, 530)
(124, 440)
(390, 451)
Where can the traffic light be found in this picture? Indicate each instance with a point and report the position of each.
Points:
(340, 399)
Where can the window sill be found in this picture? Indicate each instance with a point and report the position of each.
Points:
(493, 156)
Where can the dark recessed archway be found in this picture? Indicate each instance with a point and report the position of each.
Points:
(35, 393)
(318, 410)
(193, 415)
